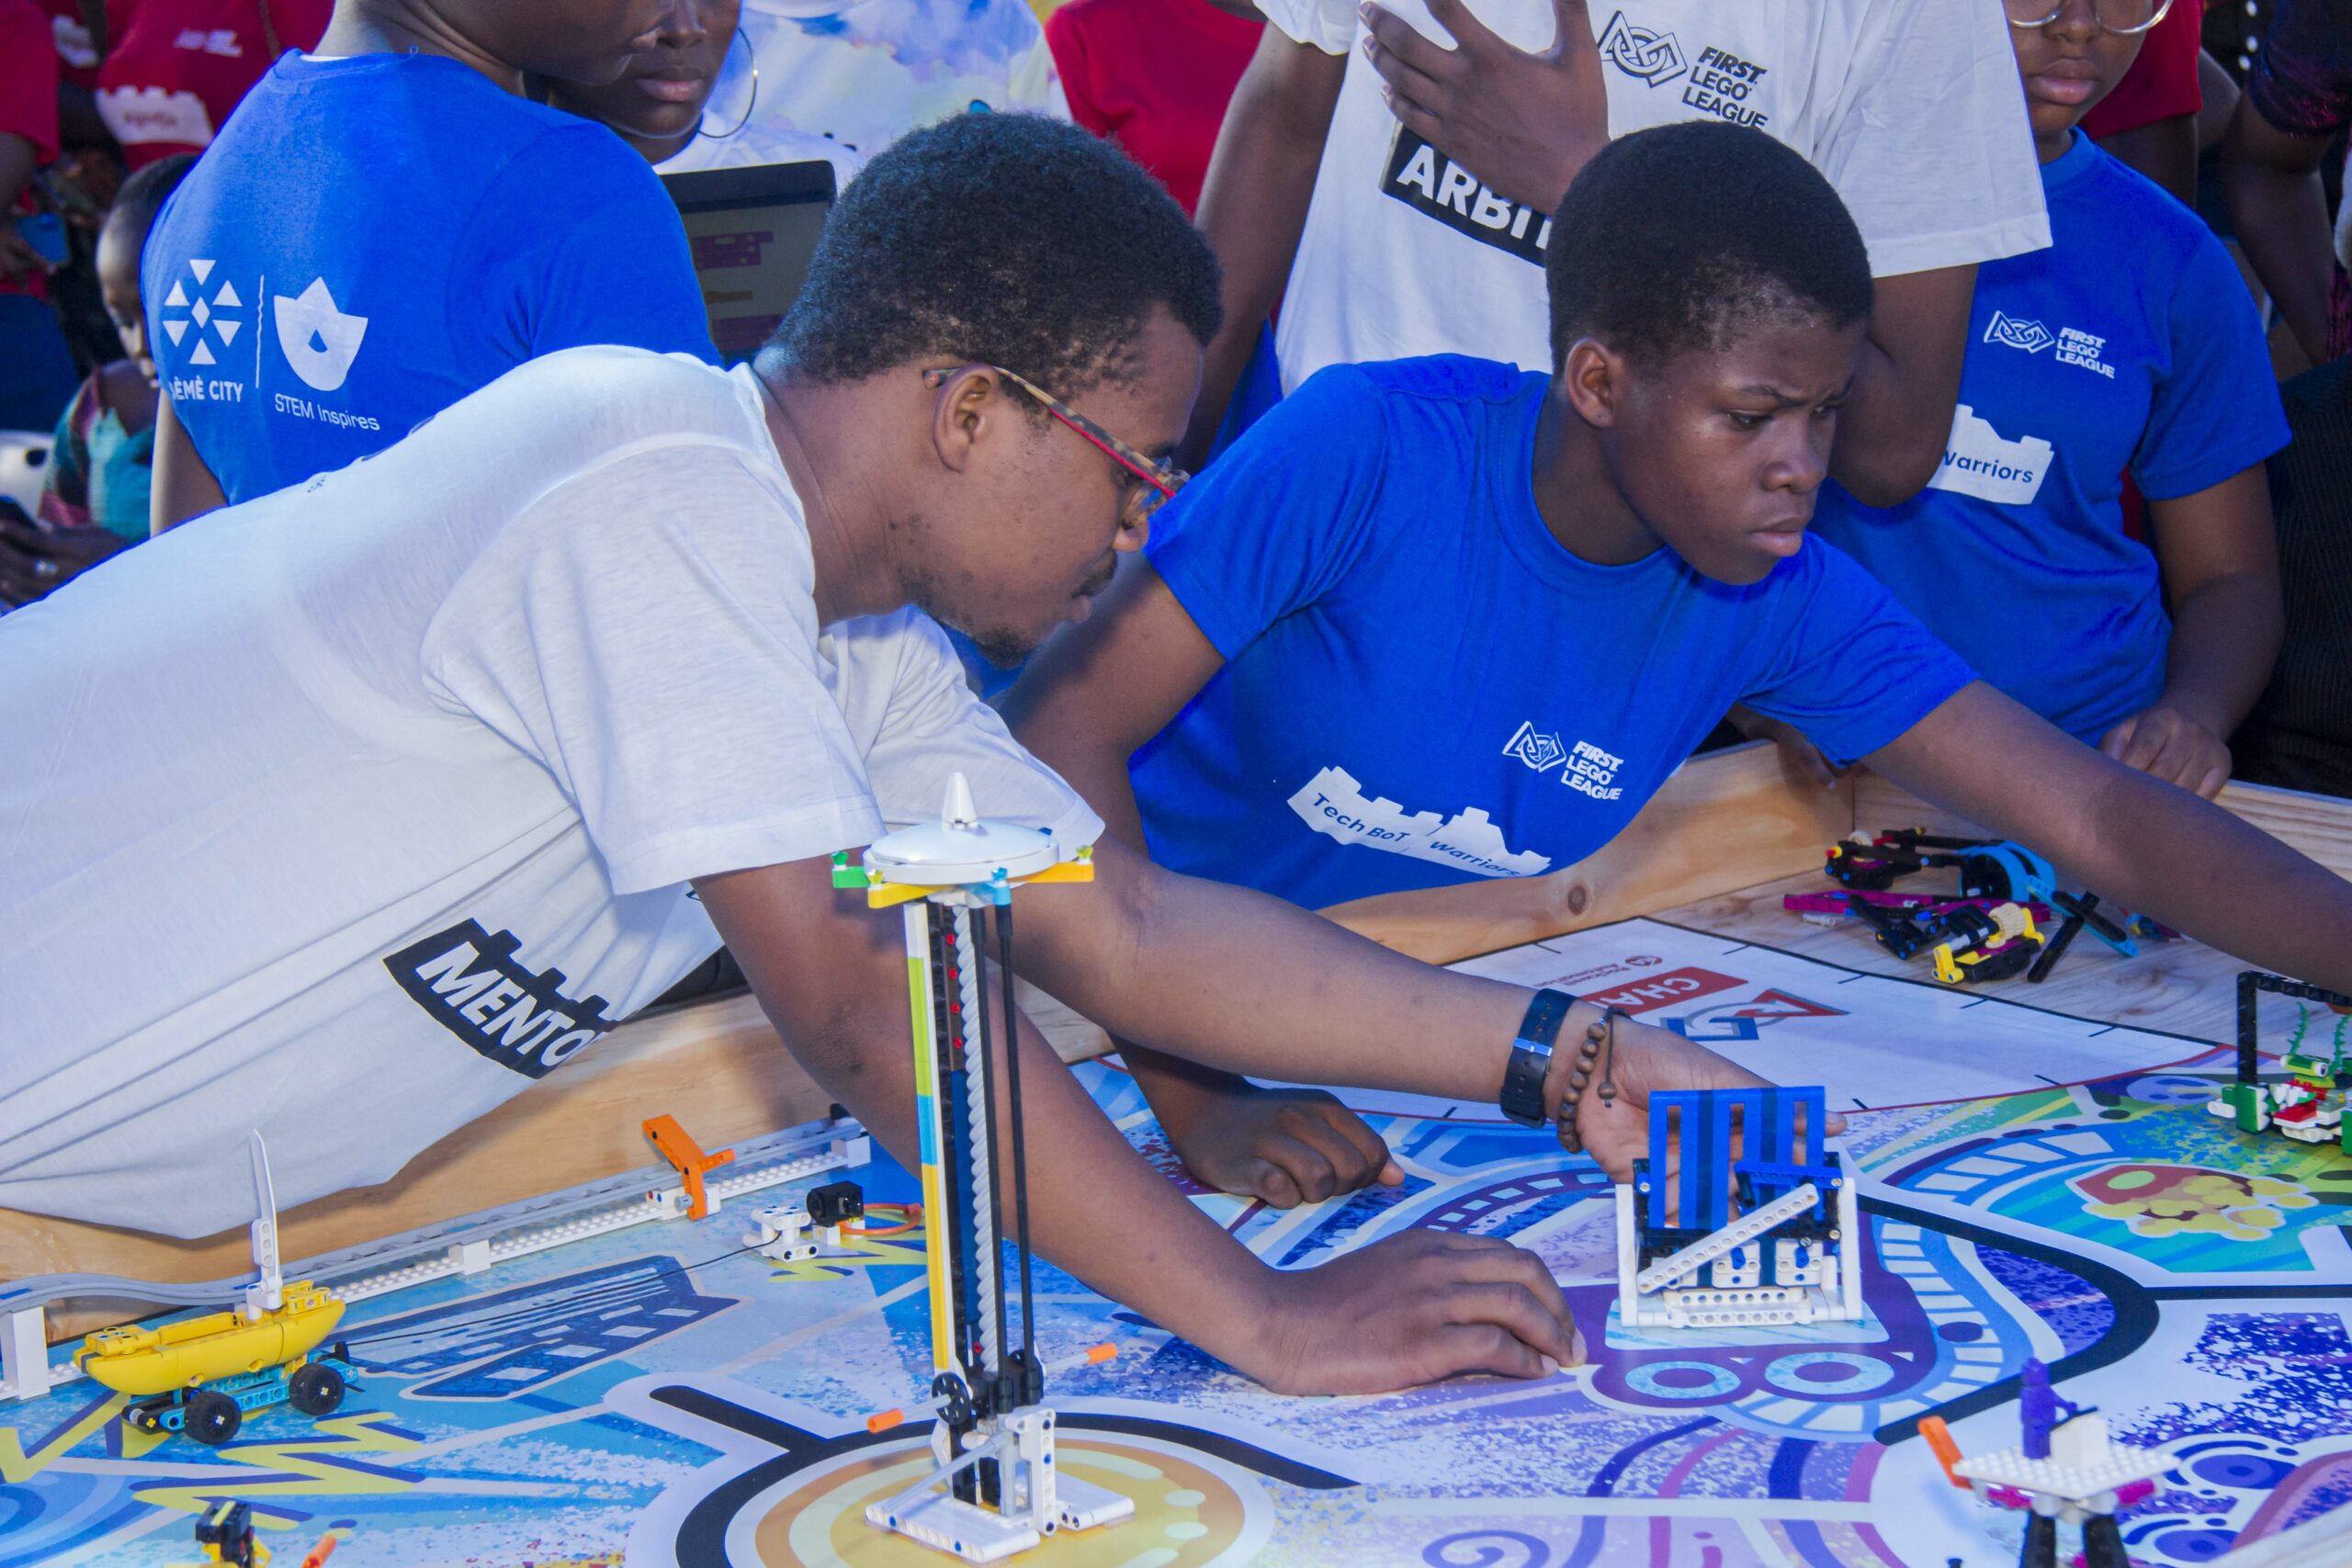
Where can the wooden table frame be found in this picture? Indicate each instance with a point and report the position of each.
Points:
(1714, 846)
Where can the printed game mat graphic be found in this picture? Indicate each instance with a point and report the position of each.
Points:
(663, 1398)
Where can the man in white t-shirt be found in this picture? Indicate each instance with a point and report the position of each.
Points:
(1437, 142)
(347, 813)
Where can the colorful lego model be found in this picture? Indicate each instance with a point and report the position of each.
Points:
(1966, 942)
(1988, 869)
(1788, 1255)
(787, 1235)
(204, 1375)
(2067, 1469)
(225, 1530)
(2309, 1106)
(995, 1489)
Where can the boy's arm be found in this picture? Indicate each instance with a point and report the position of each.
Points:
(832, 980)
(1096, 692)
(1253, 204)
(2137, 842)
(1891, 432)
(183, 485)
(2270, 179)
(2221, 571)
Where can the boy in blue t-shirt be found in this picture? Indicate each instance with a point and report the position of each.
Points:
(388, 225)
(1438, 620)
(2127, 346)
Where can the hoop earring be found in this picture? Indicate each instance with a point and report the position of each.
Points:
(749, 107)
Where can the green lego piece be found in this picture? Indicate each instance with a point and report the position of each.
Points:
(2245, 1101)
(849, 877)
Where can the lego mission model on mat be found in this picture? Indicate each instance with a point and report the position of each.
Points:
(995, 1490)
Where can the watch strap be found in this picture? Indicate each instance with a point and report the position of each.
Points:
(1530, 1056)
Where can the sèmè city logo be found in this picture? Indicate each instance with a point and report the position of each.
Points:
(467, 980)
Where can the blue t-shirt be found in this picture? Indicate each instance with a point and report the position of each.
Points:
(2128, 345)
(369, 239)
(1424, 686)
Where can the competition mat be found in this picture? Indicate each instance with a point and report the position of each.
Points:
(661, 1396)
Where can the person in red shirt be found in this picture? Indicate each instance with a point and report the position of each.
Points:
(176, 68)
(36, 373)
(1153, 76)
(2150, 120)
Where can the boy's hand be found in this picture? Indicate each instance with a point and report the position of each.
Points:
(35, 561)
(1413, 1309)
(2165, 743)
(1483, 103)
(1285, 1146)
(1648, 1060)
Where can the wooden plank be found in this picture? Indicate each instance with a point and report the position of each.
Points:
(1726, 820)
(2318, 825)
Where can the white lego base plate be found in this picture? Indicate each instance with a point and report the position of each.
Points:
(1868, 1330)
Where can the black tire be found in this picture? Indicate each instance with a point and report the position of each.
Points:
(315, 1389)
(212, 1417)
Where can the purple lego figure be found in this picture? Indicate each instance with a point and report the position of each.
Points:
(2040, 1410)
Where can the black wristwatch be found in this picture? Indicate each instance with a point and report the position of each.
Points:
(1530, 1056)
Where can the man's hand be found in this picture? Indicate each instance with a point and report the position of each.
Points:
(1413, 1309)
(1523, 123)
(1648, 1060)
(34, 560)
(2165, 743)
(1285, 1146)
(18, 260)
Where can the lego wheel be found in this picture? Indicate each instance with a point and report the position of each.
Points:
(315, 1389)
(213, 1418)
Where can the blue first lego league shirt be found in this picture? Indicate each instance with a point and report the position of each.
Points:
(373, 237)
(2130, 345)
(1424, 686)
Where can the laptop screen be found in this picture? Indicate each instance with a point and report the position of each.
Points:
(752, 231)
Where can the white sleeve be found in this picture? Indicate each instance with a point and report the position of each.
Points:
(1927, 141)
(1329, 25)
(647, 631)
(931, 724)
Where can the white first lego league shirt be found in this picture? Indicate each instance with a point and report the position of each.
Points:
(347, 813)
(1911, 108)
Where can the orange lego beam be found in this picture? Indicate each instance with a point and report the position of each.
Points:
(686, 1156)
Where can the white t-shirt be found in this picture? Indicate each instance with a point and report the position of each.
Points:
(1911, 108)
(346, 813)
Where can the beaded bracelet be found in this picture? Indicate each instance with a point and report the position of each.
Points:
(1599, 1038)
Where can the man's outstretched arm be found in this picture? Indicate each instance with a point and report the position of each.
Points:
(1253, 204)
(1409, 1310)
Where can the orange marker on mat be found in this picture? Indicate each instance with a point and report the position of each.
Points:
(885, 1421)
(321, 1552)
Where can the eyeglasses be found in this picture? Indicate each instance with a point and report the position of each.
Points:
(2124, 16)
(1162, 480)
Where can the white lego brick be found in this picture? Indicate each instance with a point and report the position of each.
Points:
(24, 1355)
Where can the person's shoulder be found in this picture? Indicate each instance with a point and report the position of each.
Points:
(2131, 216)
(1441, 377)
(607, 399)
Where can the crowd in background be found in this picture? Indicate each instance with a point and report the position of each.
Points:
(471, 185)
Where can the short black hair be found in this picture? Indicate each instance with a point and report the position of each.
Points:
(1684, 236)
(143, 194)
(999, 239)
